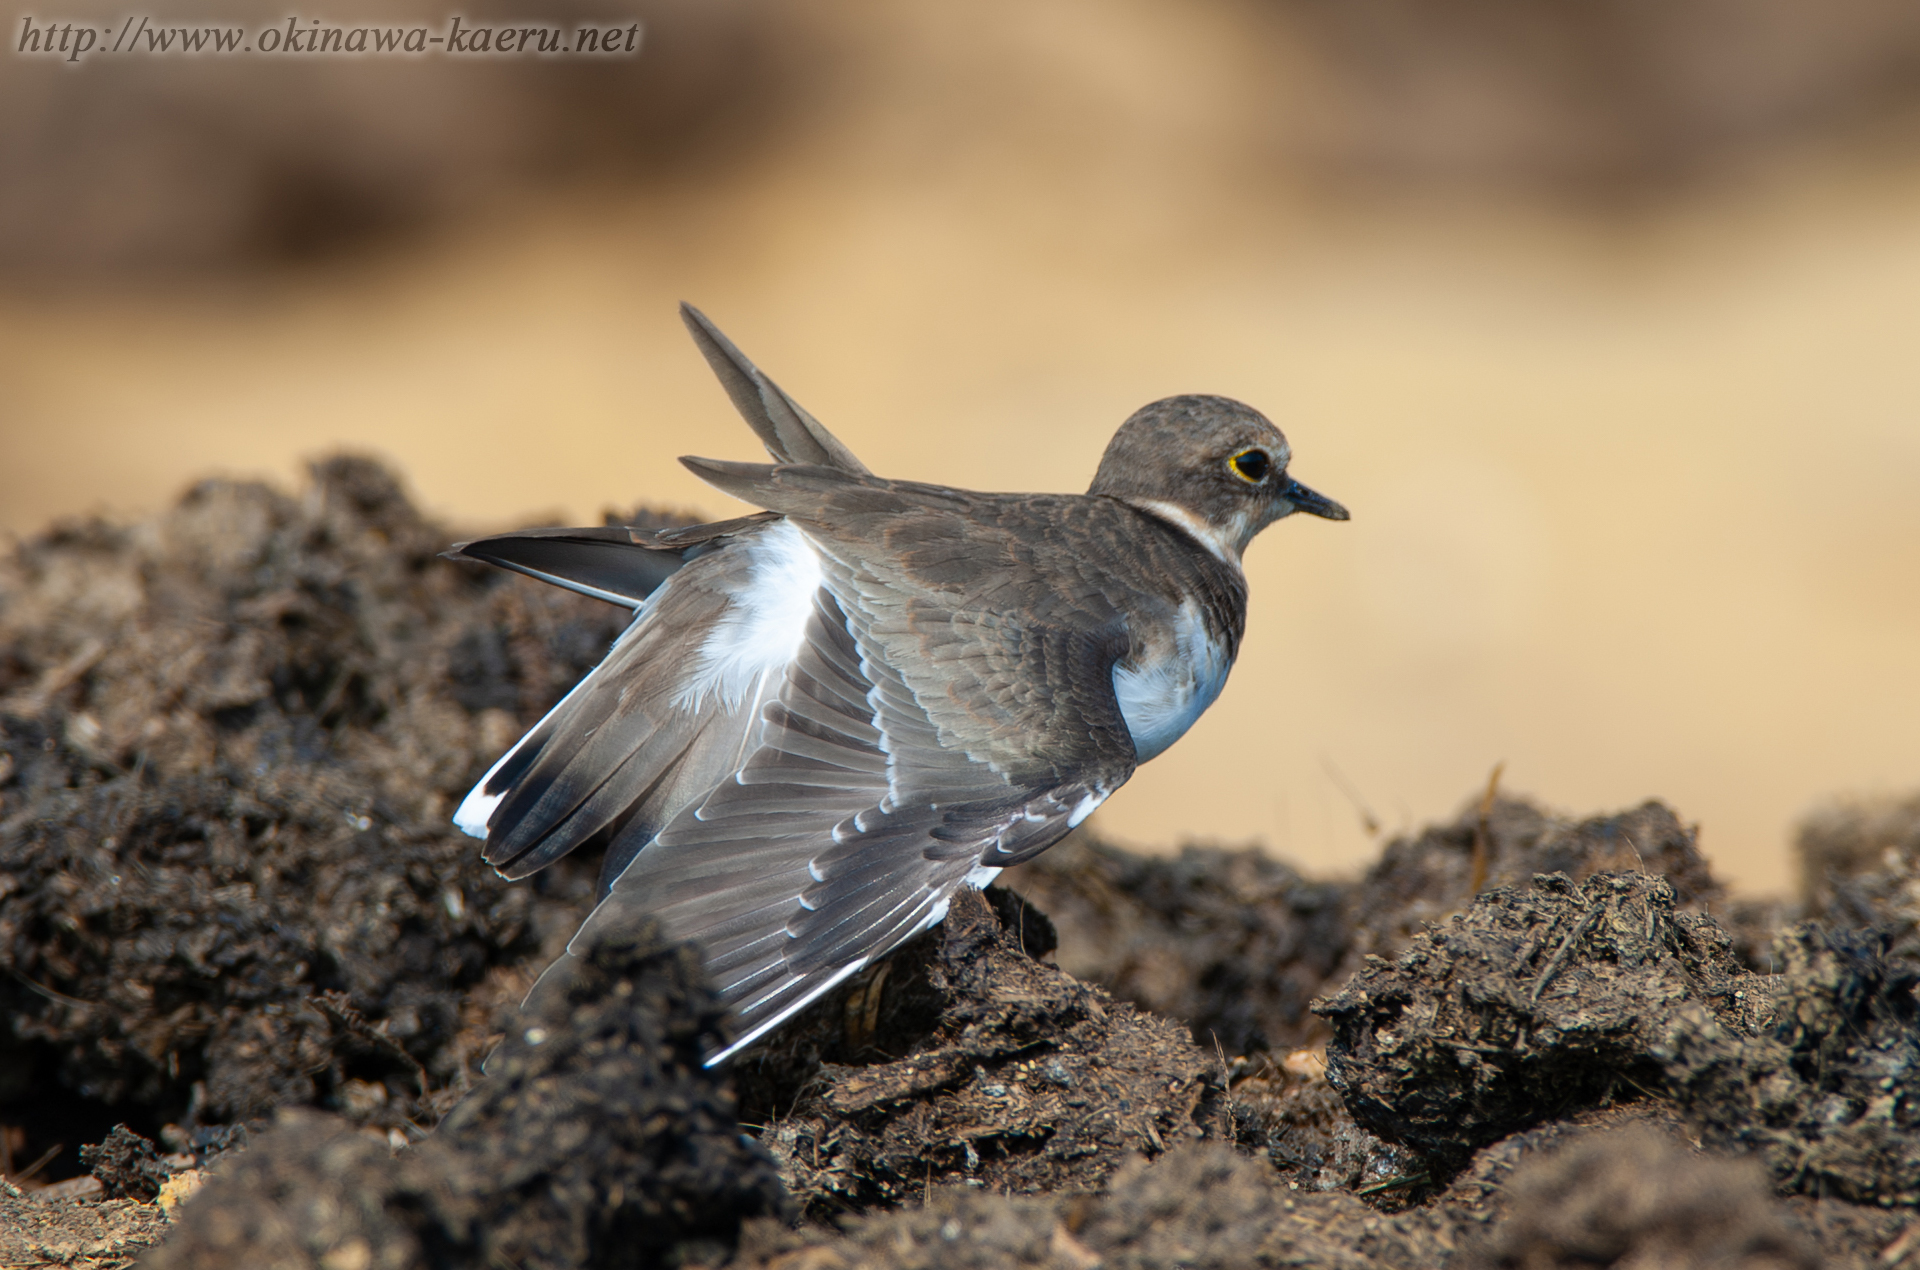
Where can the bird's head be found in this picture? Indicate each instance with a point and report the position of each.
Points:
(1211, 465)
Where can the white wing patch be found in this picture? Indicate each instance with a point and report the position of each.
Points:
(765, 622)
(476, 809)
(1161, 698)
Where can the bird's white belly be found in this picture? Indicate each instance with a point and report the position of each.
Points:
(1162, 696)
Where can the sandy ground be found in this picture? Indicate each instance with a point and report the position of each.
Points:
(1650, 471)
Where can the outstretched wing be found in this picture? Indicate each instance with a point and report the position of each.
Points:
(662, 719)
(667, 713)
(860, 809)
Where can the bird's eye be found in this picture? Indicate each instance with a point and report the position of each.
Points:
(1251, 466)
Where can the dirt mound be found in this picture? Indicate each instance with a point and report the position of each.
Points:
(1826, 1092)
(1018, 1079)
(597, 1139)
(1534, 1004)
(1238, 944)
(229, 742)
(230, 739)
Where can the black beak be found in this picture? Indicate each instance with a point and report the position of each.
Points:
(1305, 500)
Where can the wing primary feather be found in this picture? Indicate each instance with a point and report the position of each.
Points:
(479, 804)
(604, 563)
(811, 993)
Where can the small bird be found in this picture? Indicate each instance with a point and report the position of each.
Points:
(829, 716)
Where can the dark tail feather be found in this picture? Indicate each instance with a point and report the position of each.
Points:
(790, 433)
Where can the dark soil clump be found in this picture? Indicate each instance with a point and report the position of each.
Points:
(1828, 1093)
(1533, 1005)
(597, 1139)
(1236, 943)
(1303, 1126)
(1024, 1080)
(230, 739)
(127, 1165)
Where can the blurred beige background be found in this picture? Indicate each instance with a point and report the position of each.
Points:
(1602, 324)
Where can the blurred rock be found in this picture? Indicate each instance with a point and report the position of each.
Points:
(1596, 103)
(161, 166)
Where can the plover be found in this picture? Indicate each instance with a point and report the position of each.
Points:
(829, 716)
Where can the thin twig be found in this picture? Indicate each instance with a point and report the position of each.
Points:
(338, 1009)
(1483, 830)
(1560, 955)
(1226, 1072)
(49, 993)
(1368, 821)
(46, 1158)
(1896, 1252)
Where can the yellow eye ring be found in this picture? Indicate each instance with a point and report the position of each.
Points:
(1251, 466)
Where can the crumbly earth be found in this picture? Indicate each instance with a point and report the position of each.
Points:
(230, 739)
(1027, 1081)
(102, 1235)
(596, 1139)
(1827, 1093)
(1238, 944)
(1532, 1004)
(234, 919)
(1860, 866)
